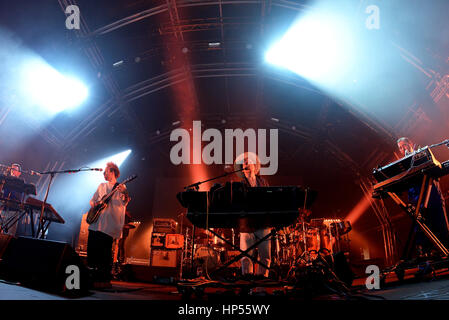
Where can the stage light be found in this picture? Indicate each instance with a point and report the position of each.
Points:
(46, 88)
(118, 159)
(315, 47)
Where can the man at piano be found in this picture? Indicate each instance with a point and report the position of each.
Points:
(14, 172)
(435, 217)
(8, 215)
(107, 228)
(251, 178)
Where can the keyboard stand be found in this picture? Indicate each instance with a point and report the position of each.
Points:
(244, 253)
(416, 214)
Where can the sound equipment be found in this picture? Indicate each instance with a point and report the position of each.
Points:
(95, 212)
(174, 241)
(42, 264)
(164, 258)
(161, 225)
(158, 240)
(4, 242)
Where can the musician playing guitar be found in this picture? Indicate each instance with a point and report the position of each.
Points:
(108, 226)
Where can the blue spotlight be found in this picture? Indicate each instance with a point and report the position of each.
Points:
(316, 47)
(49, 89)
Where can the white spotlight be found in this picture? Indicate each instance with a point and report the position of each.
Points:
(316, 47)
(48, 89)
(118, 159)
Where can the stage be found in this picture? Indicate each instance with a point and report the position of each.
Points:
(437, 289)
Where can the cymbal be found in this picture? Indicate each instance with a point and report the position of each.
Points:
(129, 226)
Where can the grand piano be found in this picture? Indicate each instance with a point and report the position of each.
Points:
(235, 205)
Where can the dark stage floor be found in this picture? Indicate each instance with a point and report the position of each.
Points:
(437, 289)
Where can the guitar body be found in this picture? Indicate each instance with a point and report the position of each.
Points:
(95, 212)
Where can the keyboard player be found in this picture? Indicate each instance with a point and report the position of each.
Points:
(15, 171)
(251, 178)
(435, 217)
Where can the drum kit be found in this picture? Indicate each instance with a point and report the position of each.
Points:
(210, 251)
(299, 243)
(303, 240)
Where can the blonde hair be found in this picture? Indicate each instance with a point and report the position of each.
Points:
(405, 139)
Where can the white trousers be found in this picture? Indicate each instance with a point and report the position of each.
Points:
(264, 248)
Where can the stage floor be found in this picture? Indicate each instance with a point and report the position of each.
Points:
(425, 290)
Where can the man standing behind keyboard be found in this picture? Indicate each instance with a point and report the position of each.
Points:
(435, 216)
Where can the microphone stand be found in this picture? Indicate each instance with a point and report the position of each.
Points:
(40, 228)
(196, 186)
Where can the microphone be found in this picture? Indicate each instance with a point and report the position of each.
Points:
(96, 169)
(34, 173)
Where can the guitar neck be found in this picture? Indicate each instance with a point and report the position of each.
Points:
(111, 193)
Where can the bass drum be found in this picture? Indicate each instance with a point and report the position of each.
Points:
(206, 258)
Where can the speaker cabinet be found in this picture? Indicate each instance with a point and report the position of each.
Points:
(164, 258)
(42, 264)
(4, 243)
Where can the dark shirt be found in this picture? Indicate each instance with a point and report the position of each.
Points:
(260, 182)
(10, 193)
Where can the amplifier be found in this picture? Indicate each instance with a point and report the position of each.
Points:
(164, 225)
(164, 258)
(174, 241)
(158, 239)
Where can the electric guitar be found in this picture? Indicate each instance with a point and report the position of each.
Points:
(95, 212)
